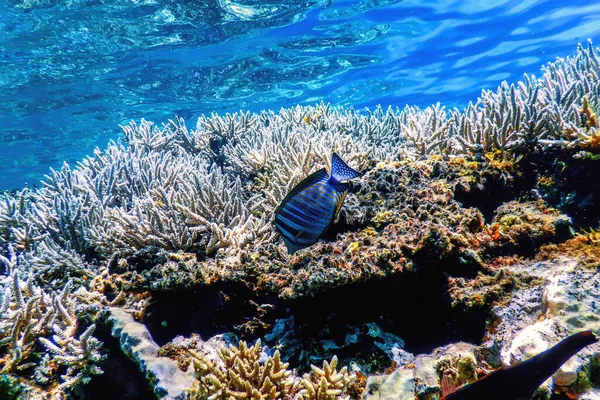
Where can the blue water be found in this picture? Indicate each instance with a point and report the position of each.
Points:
(72, 70)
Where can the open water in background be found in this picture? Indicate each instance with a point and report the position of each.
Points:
(72, 70)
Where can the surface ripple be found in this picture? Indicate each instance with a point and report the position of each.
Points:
(72, 70)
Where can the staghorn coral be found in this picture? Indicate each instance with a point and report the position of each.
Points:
(10, 262)
(590, 138)
(245, 372)
(55, 265)
(426, 131)
(202, 207)
(325, 383)
(76, 356)
(28, 316)
(544, 112)
(237, 373)
(15, 227)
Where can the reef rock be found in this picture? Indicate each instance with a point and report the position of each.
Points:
(420, 377)
(167, 380)
(400, 384)
(553, 297)
(568, 304)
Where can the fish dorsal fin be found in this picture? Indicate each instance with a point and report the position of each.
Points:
(340, 171)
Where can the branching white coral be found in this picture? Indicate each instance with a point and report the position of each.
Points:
(543, 111)
(427, 130)
(245, 373)
(27, 315)
(78, 356)
(54, 264)
(16, 227)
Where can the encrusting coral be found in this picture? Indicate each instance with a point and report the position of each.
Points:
(456, 370)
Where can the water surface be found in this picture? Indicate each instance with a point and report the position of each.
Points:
(72, 70)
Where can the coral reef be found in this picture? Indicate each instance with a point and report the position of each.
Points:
(30, 317)
(135, 341)
(482, 220)
(242, 372)
(556, 298)
(237, 373)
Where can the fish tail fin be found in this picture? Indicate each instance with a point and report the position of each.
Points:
(576, 342)
(550, 360)
(340, 171)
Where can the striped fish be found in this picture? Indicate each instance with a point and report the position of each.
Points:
(312, 205)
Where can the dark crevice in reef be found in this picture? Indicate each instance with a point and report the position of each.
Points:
(492, 191)
(570, 182)
(205, 310)
(342, 225)
(121, 378)
(560, 396)
(415, 308)
(394, 305)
